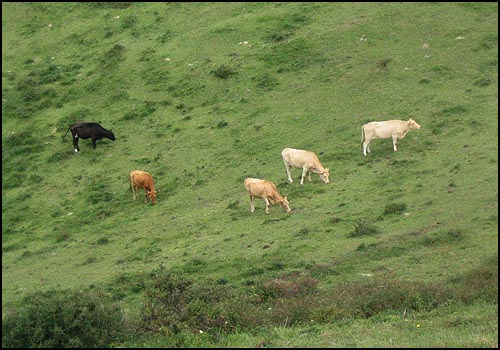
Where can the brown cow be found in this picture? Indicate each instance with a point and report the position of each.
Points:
(266, 190)
(142, 179)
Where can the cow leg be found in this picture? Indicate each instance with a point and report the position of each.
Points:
(75, 143)
(288, 169)
(394, 140)
(267, 205)
(304, 173)
(252, 204)
(309, 176)
(366, 147)
(94, 142)
(134, 191)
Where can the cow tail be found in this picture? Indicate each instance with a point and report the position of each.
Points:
(362, 135)
(130, 183)
(66, 133)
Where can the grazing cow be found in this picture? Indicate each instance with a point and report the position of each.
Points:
(88, 130)
(266, 190)
(142, 179)
(306, 160)
(397, 129)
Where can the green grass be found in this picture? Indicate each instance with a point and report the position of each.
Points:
(204, 95)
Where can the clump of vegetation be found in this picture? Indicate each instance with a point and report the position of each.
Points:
(175, 304)
(382, 64)
(394, 208)
(223, 72)
(363, 228)
(233, 205)
(443, 237)
(82, 319)
(112, 57)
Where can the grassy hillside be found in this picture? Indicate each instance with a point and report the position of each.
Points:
(399, 249)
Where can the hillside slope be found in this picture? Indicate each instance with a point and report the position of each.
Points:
(203, 95)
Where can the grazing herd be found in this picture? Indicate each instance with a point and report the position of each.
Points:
(293, 158)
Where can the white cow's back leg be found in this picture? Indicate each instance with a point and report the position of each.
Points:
(365, 147)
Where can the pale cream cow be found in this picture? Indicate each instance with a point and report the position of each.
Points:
(266, 190)
(397, 129)
(305, 160)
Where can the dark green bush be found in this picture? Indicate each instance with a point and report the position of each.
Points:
(363, 228)
(394, 208)
(111, 58)
(480, 283)
(223, 72)
(81, 319)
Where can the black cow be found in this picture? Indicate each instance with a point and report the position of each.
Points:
(88, 130)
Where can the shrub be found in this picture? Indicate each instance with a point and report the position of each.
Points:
(233, 205)
(480, 283)
(53, 319)
(111, 58)
(265, 82)
(291, 286)
(173, 304)
(223, 72)
(394, 208)
(366, 299)
(363, 228)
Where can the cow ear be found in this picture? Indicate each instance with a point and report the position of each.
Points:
(157, 191)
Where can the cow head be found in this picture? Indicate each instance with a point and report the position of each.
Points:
(111, 136)
(152, 195)
(413, 124)
(285, 205)
(325, 175)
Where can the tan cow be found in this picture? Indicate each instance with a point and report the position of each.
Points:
(306, 160)
(397, 129)
(266, 190)
(142, 179)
